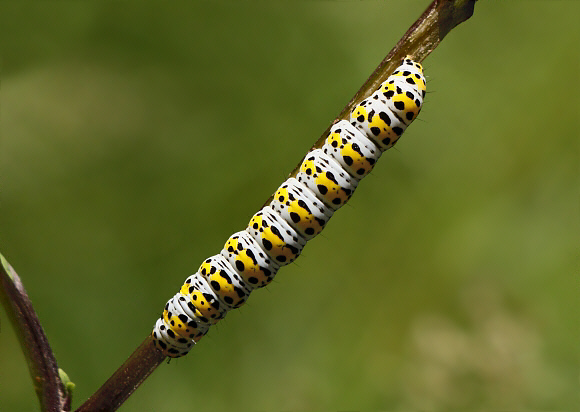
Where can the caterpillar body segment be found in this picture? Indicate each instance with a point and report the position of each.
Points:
(225, 281)
(208, 308)
(249, 260)
(376, 120)
(183, 306)
(353, 150)
(326, 178)
(403, 100)
(167, 343)
(278, 239)
(412, 73)
(299, 210)
(181, 320)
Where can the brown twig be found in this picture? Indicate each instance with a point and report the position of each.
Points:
(420, 40)
(126, 379)
(49, 388)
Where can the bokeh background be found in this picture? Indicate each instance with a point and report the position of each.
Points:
(137, 136)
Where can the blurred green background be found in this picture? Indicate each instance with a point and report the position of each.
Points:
(136, 137)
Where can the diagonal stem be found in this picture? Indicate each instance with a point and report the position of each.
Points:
(126, 379)
(420, 40)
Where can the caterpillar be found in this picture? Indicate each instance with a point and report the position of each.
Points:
(300, 209)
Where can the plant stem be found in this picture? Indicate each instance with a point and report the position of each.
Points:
(126, 379)
(51, 393)
(420, 40)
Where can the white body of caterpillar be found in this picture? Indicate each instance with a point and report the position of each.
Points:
(299, 210)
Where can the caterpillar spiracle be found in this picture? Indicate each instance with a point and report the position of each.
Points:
(299, 210)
